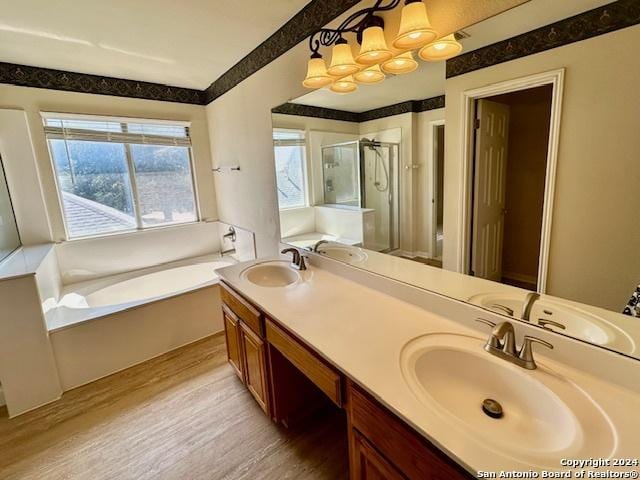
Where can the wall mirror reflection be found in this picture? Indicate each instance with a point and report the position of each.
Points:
(9, 238)
(480, 176)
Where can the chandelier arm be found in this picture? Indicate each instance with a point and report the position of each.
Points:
(352, 24)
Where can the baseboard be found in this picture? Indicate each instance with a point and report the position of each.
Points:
(404, 253)
(520, 277)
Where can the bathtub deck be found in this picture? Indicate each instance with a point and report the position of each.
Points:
(182, 415)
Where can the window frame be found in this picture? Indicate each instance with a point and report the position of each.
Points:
(131, 175)
(304, 145)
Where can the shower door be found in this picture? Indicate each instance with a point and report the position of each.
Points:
(341, 174)
(379, 191)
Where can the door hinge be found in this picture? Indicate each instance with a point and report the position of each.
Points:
(477, 123)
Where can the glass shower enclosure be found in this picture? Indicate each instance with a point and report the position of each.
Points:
(364, 174)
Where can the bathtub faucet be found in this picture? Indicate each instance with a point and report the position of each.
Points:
(231, 236)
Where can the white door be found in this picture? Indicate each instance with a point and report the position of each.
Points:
(492, 136)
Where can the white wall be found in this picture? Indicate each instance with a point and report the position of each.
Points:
(24, 340)
(30, 170)
(23, 177)
(595, 236)
(296, 221)
(241, 133)
(89, 258)
(424, 186)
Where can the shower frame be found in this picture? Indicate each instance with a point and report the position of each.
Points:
(394, 183)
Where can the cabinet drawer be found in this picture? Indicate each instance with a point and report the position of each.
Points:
(411, 453)
(323, 376)
(243, 309)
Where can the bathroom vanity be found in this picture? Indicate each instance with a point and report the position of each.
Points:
(409, 370)
(285, 376)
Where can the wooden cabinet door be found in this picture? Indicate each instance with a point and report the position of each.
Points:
(234, 345)
(255, 366)
(368, 464)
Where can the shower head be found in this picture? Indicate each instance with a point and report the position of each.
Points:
(370, 144)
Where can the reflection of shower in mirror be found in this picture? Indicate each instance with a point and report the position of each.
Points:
(379, 165)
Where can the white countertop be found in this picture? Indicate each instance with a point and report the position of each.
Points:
(362, 332)
(24, 261)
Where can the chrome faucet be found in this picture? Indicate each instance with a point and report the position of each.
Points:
(297, 261)
(502, 344)
(530, 299)
(231, 236)
(321, 242)
(502, 308)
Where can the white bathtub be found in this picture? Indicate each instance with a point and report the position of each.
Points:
(101, 326)
(104, 296)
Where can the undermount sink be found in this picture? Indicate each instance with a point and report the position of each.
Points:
(578, 322)
(343, 253)
(271, 274)
(544, 416)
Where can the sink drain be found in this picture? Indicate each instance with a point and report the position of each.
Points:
(492, 408)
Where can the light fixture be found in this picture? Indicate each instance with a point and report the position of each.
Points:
(342, 62)
(369, 75)
(375, 58)
(317, 76)
(442, 49)
(374, 47)
(403, 63)
(344, 85)
(415, 29)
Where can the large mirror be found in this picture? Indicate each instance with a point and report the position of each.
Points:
(9, 238)
(507, 177)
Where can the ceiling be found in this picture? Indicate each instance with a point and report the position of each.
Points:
(429, 80)
(183, 44)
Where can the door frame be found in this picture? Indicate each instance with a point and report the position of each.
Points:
(432, 182)
(555, 78)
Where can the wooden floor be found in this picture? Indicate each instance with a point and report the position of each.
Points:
(432, 262)
(184, 415)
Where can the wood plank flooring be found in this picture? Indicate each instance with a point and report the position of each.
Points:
(184, 415)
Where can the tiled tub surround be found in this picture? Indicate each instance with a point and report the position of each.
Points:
(343, 314)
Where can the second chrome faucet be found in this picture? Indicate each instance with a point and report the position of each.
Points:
(297, 261)
(502, 343)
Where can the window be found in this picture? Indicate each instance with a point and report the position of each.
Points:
(291, 178)
(118, 176)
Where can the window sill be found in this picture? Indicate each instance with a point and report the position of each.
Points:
(292, 209)
(124, 233)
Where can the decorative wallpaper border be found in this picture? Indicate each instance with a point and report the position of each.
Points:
(601, 20)
(312, 17)
(315, 15)
(316, 112)
(26, 76)
(411, 106)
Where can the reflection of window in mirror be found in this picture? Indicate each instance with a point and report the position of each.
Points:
(291, 169)
(9, 238)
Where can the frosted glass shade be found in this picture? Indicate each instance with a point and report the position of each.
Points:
(374, 47)
(344, 85)
(317, 76)
(442, 49)
(342, 62)
(415, 29)
(369, 75)
(403, 63)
